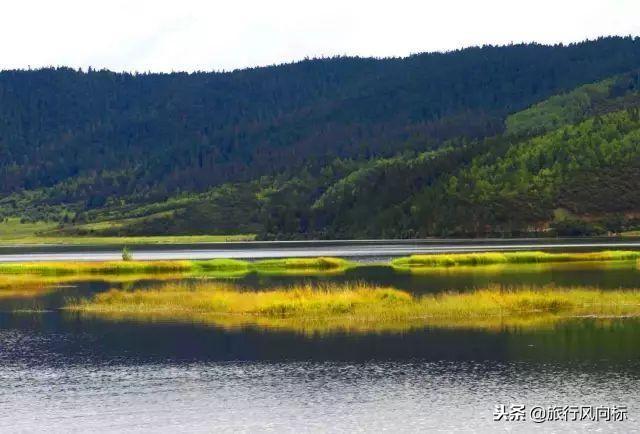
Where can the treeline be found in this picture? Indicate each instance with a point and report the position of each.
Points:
(481, 141)
(520, 190)
(580, 179)
(187, 132)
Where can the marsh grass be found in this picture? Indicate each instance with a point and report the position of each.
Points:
(221, 264)
(304, 266)
(357, 307)
(87, 268)
(494, 258)
(520, 269)
(322, 263)
(27, 281)
(28, 292)
(213, 266)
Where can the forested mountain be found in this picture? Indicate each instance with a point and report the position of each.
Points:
(491, 140)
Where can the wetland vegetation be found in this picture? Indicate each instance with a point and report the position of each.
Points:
(358, 307)
(214, 267)
(525, 257)
(305, 265)
(326, 295)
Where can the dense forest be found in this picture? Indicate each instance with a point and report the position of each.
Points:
(482, 141)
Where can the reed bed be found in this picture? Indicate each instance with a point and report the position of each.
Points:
(493, 258)
(88, 268)
(222, 264)
(322, 265)
(13, 281)
(302, 266)
(357, 307)
(28, 292)
(156, 267)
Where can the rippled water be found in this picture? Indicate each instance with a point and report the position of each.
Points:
(61, 373)
(300, 396)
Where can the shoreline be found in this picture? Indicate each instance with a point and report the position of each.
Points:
(359, 250)
(176, 240)
(301, 265)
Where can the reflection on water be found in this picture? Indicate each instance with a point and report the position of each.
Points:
(198, 379)
(613, 275)
(38, 338)
(60, 371)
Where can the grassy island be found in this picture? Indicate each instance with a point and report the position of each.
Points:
(301, 266)
(356, 307)
(222, 266)
(525, 257)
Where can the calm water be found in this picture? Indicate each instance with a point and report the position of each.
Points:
(61, 373)
(365, 250)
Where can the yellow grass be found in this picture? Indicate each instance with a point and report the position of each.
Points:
(110, 267)
(289, 263)
(302, 266)
(213, 266)
(491, 258)
(14, 281)
(357, 307)
(27, 292)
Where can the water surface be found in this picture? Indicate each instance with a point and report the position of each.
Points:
(62, 372)
(364, 250)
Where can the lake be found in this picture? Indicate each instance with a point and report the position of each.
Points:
(358, 249)
(62, 372)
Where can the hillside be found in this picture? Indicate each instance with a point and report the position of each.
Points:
(575, 174)
(481, 141)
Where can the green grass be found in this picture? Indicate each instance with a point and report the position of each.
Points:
(357, 307)
(12, 232)
(119, 241)
(119, 222)
(491, 258)
(221, 264)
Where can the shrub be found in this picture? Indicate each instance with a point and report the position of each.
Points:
(126, 254)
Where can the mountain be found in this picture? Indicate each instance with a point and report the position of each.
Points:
(485, 140)
(574, 155)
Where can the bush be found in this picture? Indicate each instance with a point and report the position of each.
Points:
(126, 255)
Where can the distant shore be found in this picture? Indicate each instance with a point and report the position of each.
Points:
(413, 263)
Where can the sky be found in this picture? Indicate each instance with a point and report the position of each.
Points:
(189, 35)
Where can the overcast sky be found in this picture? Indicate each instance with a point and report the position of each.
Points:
(140, 35)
